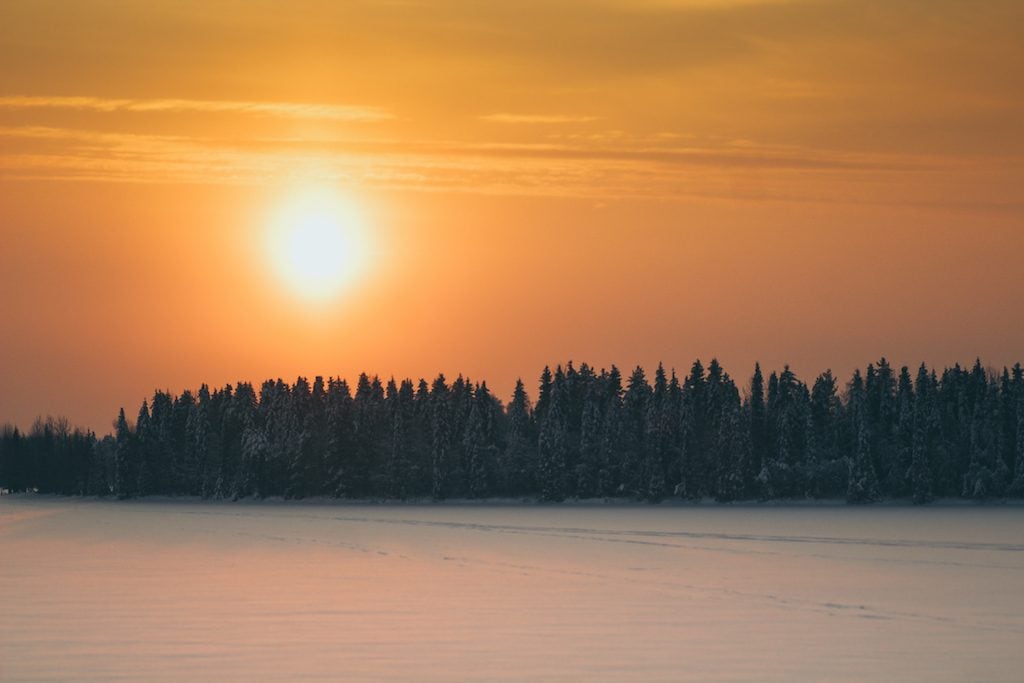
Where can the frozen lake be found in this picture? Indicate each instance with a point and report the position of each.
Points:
(192, 591)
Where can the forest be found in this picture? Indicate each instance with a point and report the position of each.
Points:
(884, 435)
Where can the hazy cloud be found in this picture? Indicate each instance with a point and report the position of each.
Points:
(733, 170)
(332, 112)
(537, 118)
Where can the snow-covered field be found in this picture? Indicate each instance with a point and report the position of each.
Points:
(176, 591)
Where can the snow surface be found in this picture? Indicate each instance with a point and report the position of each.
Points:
(170, 591)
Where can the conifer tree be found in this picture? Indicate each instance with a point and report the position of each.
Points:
(575, 385)
(144, 445)
(551, 449)
(987, 474)
(862, 484)
(341, 440)
(370, 428)
(252, 479)
(635, 406)
(882, 415)
(418, 478)
(308, 426)
(544, 394)
(521, 451)
(13, 474)
(611, 481)
(461, 404)
(694, 459)
(658, 438)
(722, 401)
(127, 469)
(402, 408)
(1005, 424)
(898, 482)
(590, 465)
(961, 435)
(787, 415)
(200, 446)
(441, 438)
(239, 413)
(824, 469)
(103, 477)
(479, 441)
(757, 427)
(177, 467)
(926, 423)
(735, 457)
(1016, 488)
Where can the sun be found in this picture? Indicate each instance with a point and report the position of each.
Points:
(317, 243)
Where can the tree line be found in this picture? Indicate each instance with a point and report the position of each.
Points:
(590, 434)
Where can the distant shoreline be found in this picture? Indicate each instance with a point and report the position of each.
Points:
(276, 501)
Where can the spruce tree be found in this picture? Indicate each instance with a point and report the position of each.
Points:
(461, 404)
(544, 394)
(179, 459)
(882, 415)
(551, 447)
(200, 447)
(734, 458)
(255, 447)
(898, 482)
(925, 427)
(611, 481)
(441, 438)
(862, 483)
(721, 403)
(695, 463)
(341, 440)
(238, 414)
(635, 406)
(127, 470)
(401, 406)
(1016, 488)
(370, 429)
(479, 443)
(824, 469)
(787, 415)
(590, 465)
(758, 437)
(144, 445)
(987, 475)
(961, 435)
(521, 451)
(658, 438)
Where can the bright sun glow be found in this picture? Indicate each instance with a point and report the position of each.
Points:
(318, 243)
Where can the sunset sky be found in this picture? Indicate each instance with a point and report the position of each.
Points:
(817, 183)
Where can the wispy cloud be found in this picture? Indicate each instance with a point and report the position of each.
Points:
(650, 167)
(333, 112)
(537, 118)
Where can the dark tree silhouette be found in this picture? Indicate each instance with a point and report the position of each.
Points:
(887, 436)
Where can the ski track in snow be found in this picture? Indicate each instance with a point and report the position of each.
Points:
(580, 532)
(640, 537)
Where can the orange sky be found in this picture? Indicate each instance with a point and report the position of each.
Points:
(818, 183)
